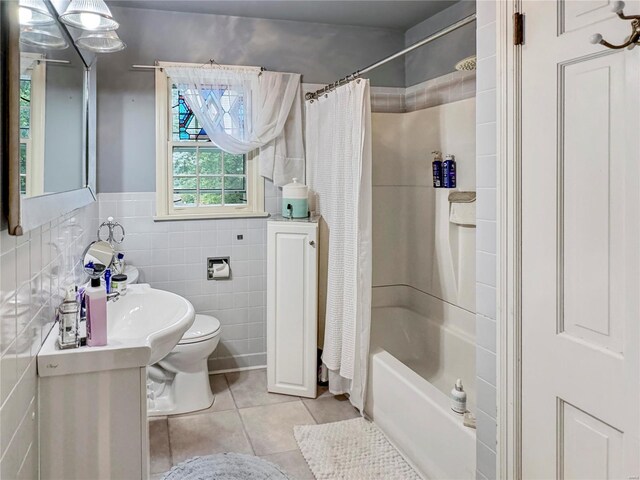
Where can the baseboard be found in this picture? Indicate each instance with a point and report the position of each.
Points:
(239, 369)
(237, 363)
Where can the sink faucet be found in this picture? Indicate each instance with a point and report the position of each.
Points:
(113, 296)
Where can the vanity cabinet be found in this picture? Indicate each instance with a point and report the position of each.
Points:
(93, 412)
(292, 305)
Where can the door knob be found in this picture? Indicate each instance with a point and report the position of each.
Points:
(312, 243)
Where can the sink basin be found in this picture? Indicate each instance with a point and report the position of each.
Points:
(157, 317)
(143, 326)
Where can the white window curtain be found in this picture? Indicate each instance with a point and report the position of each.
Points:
(262, 110)
(338, 136)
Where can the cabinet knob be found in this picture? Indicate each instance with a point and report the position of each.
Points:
(312, 243)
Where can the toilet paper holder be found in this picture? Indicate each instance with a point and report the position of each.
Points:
(218, 268)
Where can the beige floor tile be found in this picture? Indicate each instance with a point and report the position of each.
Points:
(270, 427)
(249, 389)
(205, 434)
(159, 450)
(220, 388)
(157, 476)
(327, 409)
(293, 463)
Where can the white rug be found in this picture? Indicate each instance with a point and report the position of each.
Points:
(351, 450)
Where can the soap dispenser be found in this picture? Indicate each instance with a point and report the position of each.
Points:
(458, 398)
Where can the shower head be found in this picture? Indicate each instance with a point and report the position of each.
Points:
(468, 63)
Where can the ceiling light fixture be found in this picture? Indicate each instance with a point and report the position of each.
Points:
(100, 42)
(91, 15)
(34, 12)
(43, 36)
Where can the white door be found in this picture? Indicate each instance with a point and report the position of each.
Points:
(580, 244)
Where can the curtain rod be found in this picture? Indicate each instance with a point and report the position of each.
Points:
(424, 41)
(210, 64)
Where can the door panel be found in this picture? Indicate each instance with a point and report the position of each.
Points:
(580, 243)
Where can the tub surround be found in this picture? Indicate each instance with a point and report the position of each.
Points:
(433, 255)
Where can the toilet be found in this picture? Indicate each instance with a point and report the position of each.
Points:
(179, 383)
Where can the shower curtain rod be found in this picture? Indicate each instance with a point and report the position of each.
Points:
(424, 41)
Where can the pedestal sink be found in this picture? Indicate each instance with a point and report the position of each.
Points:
(93, 400)
(143, 326)
(155, 317)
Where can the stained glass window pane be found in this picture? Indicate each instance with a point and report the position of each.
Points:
(225, 105)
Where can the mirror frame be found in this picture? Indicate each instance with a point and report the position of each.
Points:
(24, 214)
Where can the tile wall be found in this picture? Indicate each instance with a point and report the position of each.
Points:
(172, 256)
(34, 271)
(486, 241)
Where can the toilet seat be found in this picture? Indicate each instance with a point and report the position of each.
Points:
(204, 328)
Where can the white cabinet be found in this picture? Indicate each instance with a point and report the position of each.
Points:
(292, 304)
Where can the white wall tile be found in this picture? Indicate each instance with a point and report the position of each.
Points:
(486, 238)
(172, 256)
(34, 269)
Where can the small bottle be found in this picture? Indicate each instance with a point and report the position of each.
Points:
(437, 169)
(96, 304)
(458, 398)
(449, 172)
(107, 280)
(69, 311)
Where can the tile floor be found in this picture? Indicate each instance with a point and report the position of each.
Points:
(244, 418)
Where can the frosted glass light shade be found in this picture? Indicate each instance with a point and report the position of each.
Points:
(34, 12)
(90, 15)
(43, 36)
(100, 42)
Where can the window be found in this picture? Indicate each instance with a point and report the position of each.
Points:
(32, 102)
(195, 178)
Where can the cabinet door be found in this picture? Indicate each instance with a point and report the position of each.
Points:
(292, 309)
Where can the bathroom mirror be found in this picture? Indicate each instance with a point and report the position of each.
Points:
(50, 109)
(97, 257)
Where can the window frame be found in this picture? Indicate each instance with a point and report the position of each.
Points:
(34, 144)
(165, 208)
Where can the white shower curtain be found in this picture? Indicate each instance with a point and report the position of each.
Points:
(265, 114)
(338, 135)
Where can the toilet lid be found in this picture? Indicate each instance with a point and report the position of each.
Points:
(203, 328)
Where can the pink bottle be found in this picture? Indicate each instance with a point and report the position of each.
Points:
(96, 301)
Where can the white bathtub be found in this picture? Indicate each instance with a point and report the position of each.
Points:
(419, 346)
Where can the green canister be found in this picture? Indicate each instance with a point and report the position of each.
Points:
(295, 200)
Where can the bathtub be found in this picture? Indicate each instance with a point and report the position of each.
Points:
(420, 345)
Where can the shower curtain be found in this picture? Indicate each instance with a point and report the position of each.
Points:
(338, 135)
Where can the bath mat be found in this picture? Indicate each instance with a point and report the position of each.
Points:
(226, 466)
(351, 450)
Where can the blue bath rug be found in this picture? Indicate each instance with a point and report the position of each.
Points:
(226, 466)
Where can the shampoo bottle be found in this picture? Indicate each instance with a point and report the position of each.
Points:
(96, 304)
(449, 172)
(458, 398)
(437, 169)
